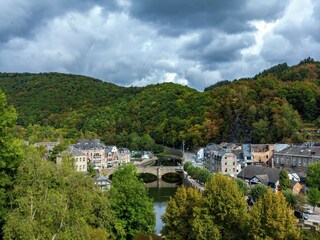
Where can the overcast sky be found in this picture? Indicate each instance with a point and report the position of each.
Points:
(126, 42)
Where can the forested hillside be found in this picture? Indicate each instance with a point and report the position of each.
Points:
(270, 107)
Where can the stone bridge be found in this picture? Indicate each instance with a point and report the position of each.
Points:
(158, 171)
(160, 184)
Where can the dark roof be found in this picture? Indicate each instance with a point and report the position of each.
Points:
(264, 178)
(251, 171)
(89, 144)
(304, 151)
(101, 178)
(72, 151)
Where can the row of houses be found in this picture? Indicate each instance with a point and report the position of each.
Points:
(231, 158)
(94, 152)
(254, 174)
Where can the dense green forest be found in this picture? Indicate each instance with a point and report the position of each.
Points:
(269, 107)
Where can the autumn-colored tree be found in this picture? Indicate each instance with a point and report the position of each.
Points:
(272, 218)
(224, 207)
(180, 214)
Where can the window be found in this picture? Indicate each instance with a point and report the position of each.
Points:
(234, 170)
(225, 170)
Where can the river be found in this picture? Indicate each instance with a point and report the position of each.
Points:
(161, 196)
(161, 190)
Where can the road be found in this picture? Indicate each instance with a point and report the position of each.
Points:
(188, 156)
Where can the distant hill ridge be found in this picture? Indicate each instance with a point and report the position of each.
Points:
(269, 107)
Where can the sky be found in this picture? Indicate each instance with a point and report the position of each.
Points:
(135, 43)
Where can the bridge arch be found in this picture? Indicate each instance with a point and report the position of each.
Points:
(158, 171)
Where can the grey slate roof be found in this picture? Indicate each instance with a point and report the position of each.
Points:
(73, 151)
(254, 170)
(279, 147)
(211, 147)
(264, 178)
(89, 144)
(303, 151)
(101, 178)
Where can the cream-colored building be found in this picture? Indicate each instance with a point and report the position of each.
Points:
(79, 158)
(124, 155)
(94, 150)
(226, 163)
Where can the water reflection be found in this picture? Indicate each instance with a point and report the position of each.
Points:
(161, 196)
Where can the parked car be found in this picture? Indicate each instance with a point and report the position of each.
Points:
(301, 215)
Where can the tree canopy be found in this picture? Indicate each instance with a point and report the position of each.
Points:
(221, 212)
(284, 180)
(133, 208)
(11, 152)
(179, 218)
(55, 202)
(313, 175)
(272, 218)
(269, 107)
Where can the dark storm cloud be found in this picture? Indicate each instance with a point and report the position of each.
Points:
(231, 16)
(20, 18)
(212, 48)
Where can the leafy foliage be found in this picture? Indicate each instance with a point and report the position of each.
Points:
(284, 180)
(258, 191)
(221, 212)
(314, 196)
(271, 218)
(290, 197)
(313, 175)
(266, 108)
(11, 152)
(201, 174)
(129, 200)
(243, 186)
(179, 216)
(56, 203)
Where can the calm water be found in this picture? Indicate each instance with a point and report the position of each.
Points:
(160, 196)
